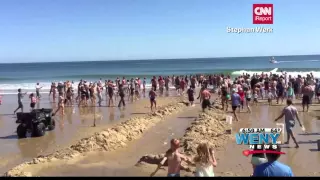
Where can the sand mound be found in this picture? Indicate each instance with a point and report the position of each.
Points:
(109, 139)
(209, 127)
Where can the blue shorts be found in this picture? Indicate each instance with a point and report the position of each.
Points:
(173, 175)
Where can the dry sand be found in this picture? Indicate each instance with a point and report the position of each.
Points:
(106, 140)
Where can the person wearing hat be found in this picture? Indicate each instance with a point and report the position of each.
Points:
(38, 87)
(273, 168)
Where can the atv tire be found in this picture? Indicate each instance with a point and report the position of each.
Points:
(52, 125)
(39, 130)
(22, 131)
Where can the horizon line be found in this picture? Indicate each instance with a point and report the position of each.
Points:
(155, 59)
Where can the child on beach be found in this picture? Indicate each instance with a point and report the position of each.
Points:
(152, 96)
(205, 161)
(174, 158)
(191, 93)
(33, 100)
(270, 97)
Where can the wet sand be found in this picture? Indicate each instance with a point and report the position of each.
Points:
(304, 161)
(231, 162)
(76, 124)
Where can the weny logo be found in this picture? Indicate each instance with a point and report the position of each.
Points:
(262, 13)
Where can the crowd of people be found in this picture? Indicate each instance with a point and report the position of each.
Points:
(241, 93)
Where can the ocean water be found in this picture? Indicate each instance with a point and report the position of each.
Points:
(26, 75)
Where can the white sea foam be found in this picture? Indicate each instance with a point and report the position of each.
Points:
(31, 87)
(316, 74)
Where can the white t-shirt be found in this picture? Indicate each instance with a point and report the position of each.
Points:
(204, 170)
(38, 87)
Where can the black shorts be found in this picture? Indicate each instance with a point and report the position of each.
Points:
(20, 105)
(154, 87)
(32, 105)
(234, 108)
(280, 94)
(305, 99)
(248, 99)
(206, 103)
(152, 99)
(191, 99)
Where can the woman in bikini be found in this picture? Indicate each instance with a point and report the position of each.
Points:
(60, 104)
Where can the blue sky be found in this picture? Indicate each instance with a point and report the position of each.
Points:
(77, 30)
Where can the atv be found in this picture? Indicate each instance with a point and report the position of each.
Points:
(36, 122)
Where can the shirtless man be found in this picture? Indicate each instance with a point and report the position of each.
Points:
(290, 113)
(306, 91)
(205, 95)
(174, 158)
(20, 104)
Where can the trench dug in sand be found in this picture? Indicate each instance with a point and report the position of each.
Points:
(107, 140)
(210, 127)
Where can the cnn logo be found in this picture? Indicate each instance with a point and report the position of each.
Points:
(262, 13)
